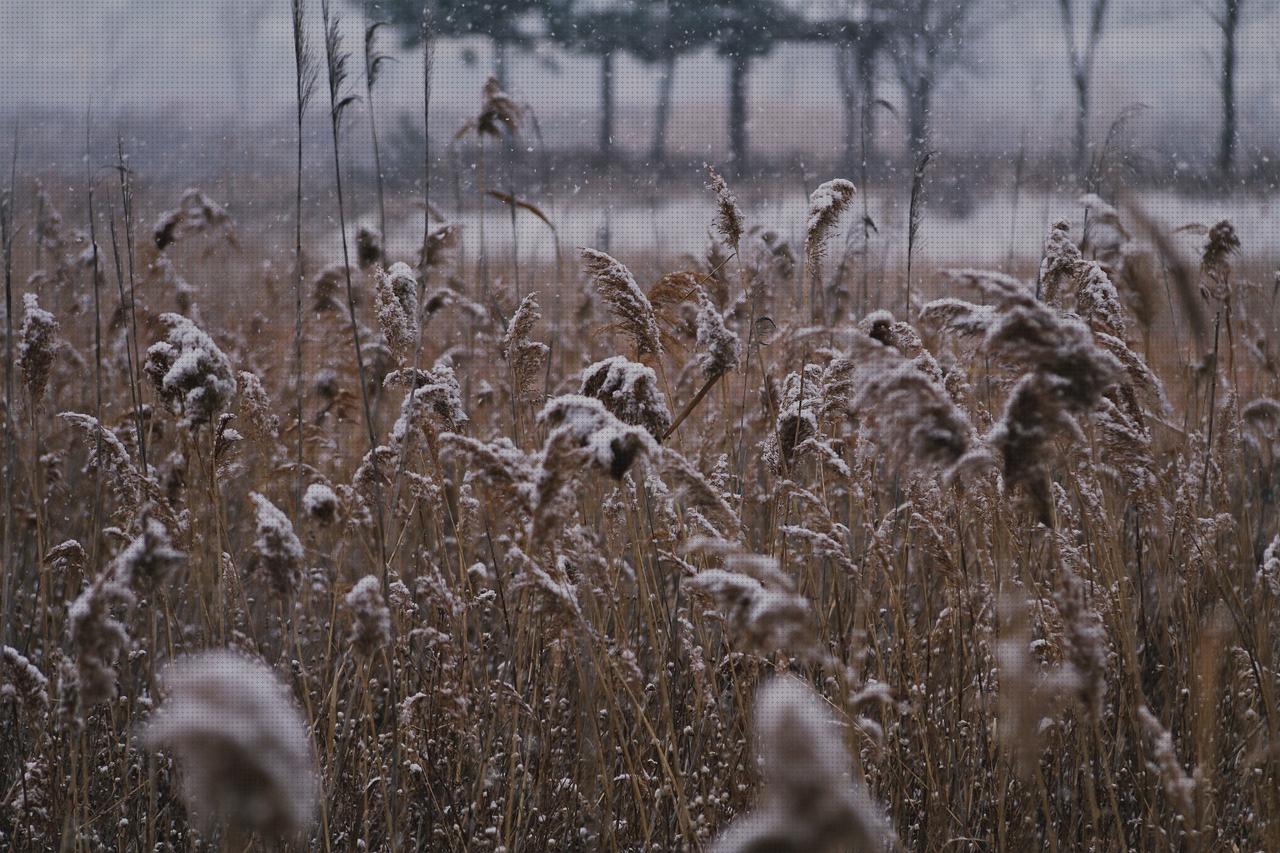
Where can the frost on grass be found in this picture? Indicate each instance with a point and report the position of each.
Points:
(810, 800)
(240, 741)
(189, 369)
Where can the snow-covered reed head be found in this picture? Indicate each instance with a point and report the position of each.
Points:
(148, 561)
(21, 681)
(36, 346)
(582, 435)
(526, 356)
(432, 404)
(1220, 244)
(397, 308)
(196, 213)
(320, 503)
(240, 742)
(631, 308)
(629, 390)
(826, 205)
(810, 801)
(370, 618)
(190, 369)
(718, 345)
(255, 410)
(728, 215)
(277, 553)
(585, 424)
(98, 638)
(499, 113)
(911, 411)
(758, 601)
(368, 248)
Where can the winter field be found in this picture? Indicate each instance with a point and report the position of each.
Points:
(738, 513)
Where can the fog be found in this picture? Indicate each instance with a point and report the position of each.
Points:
(170, 71)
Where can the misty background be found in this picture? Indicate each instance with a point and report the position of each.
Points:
(192, 72)
(202, 93)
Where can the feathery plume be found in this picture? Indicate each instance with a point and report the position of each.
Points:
(910, 410)
(21, 681)
(196, 213)
(98, 638)
(526, 356)
(826, 205)
(277, 553)
(191, 370)
(320, 503)
(584, 423)
(371, 620)
(1178, 785)
(728, 216)
(36, 345)
(396, 301)
(757, 600)
(629, 390)
(241, 743)
(718, 346)
(810, 801)
(432, 404)
(148, 561)
(255, 410)
(630, 306)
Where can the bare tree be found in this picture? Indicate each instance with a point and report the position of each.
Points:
(1081, 53)
(930, 39)
(856, 51)
(1227, 18)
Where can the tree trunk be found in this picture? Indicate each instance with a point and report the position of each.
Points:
(605, 142)
(866, 77)
(658, 151)
(1227, 141)
(849, 102)
(1081, 152)
(739, 65)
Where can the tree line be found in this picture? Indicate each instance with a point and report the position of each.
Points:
(915, 43)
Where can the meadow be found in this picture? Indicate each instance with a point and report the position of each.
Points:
(315, 540)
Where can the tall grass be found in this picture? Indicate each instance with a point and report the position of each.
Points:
(988, 573)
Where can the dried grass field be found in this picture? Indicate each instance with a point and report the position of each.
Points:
(764, 553)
